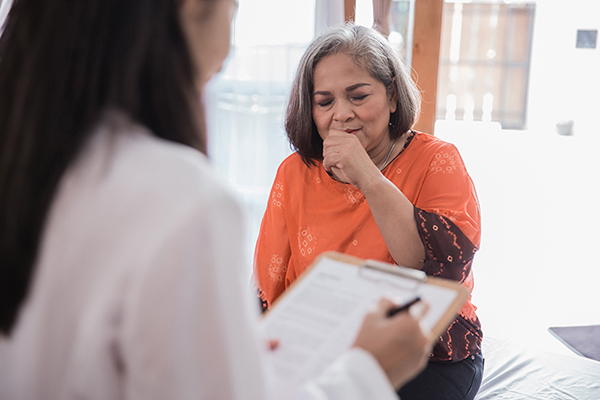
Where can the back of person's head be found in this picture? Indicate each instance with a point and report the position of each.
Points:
(62, 63)
(368, 49)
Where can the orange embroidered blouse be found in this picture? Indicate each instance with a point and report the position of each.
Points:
(308, 213)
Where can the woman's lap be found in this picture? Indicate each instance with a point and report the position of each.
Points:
(446, 381)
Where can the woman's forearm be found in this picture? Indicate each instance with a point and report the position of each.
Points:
(394, 216)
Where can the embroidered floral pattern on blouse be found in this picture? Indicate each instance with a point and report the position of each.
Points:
(443, 163)
(277, 194)
(353, 195)
(276, 268)
(307, 242)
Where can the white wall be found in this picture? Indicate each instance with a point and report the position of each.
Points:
(537, 266)
(564, 80)
(538, 190)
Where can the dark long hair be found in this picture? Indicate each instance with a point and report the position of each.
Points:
(62, 63)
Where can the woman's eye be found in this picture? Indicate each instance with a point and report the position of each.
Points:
(358, 98)
(325, 103)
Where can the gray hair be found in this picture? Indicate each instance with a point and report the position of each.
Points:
(368, 49)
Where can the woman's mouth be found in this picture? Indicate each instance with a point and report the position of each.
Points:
(352, 131)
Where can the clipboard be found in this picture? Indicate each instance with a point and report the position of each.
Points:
(317, 318)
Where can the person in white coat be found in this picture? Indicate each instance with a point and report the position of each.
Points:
(120, 250)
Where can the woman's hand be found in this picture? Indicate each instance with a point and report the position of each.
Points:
(345, 157)
(401, 344)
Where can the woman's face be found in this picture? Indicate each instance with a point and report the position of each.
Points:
(346, 97)
(207, 27)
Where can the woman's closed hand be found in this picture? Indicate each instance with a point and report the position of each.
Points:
(345, 157)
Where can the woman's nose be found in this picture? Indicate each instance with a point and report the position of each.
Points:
(342, 111)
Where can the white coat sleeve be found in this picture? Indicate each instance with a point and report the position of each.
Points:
(355, 375)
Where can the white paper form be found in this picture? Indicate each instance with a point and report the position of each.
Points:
(319, 318)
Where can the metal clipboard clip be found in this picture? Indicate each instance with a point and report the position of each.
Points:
(404, 272)
(410, 280)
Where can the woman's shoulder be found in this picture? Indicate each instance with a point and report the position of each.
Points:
(427, 142)
(428, 150)
(293, 161)
(424, 147)
(294, 165)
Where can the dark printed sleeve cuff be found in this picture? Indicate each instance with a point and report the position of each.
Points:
(448, 250)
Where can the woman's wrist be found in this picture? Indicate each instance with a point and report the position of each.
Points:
(374, 184)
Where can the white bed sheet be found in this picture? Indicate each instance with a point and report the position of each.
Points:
(515, 372)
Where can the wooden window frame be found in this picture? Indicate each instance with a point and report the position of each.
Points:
(425, 54)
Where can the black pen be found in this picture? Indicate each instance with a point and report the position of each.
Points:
(404, 307)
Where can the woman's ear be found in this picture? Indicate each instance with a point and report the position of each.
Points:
(393, 98)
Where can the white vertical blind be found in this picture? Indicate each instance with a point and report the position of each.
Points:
(246, 102)
(4, 8)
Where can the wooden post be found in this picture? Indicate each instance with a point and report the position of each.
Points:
(425, 57)
(349, 10)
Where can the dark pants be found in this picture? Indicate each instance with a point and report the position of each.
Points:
(446, 381)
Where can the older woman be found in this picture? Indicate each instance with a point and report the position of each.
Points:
(364, 183)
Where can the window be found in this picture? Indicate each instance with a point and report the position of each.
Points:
(401, 20)
(484, 62)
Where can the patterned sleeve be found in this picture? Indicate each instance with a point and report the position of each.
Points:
(448, 251)
(449, 255)
(272, 252)
(448, 222)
